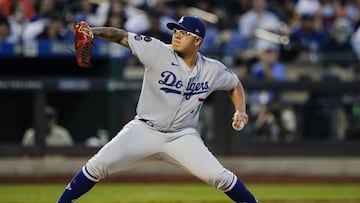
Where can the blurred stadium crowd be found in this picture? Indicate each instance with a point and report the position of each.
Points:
(252, 34)
(325, 26)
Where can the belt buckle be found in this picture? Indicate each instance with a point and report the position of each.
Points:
(149, 123)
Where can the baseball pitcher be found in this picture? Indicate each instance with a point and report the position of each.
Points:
(177, 80)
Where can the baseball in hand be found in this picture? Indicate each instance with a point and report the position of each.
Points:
(240, 127)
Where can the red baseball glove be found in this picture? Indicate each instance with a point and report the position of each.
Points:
(83, 43)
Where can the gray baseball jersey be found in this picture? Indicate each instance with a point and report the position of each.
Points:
(167, 113)
(172, 94)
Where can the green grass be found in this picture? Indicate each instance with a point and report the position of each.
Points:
(178, 193)
(308, 192)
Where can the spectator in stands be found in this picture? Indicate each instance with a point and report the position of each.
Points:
(155, 29)
(307, 37)
(337, 49)
(55, 28)
(349, 9)
(310, 7)
(355, 43)
(137, 20)
(87, 11)
(285, 9)
(7, 7)
(274, 121)
(56, 135)
(327, 14)
(44, 7)
(115, 14)
(229, 41)
(4, 29)
(258, 17)
(114, 20)
(21, 27)
(18, 22)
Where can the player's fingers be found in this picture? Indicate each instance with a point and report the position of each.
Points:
(238, 125)
(239, 120)
(240, 116)
(244, 119)
(236, 118)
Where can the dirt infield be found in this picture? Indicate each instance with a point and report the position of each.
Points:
(58, 169)
(176, 178)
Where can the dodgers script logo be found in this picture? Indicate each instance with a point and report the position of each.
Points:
(172, 85)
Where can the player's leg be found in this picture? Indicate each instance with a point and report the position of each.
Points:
(189, 152)
(133, 145)
(79, 185)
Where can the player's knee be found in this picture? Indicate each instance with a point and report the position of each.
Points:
(222, 180)
(97, 168)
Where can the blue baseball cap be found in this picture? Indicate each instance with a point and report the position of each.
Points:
(191, 24)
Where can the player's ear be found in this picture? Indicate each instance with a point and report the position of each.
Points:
(198, 41)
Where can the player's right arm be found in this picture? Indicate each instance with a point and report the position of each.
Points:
(112, 34)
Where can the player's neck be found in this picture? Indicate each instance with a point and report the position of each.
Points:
(190, 60)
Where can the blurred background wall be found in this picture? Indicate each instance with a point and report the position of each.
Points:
(308, 106)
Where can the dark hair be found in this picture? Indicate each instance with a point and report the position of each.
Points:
(50, 113)
(3, 20)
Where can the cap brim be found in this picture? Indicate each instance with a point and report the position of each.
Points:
(176, 25)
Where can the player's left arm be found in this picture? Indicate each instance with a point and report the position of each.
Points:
(240, 117)
(112, 34)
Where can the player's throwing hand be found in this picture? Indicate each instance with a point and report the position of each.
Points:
(239, 120)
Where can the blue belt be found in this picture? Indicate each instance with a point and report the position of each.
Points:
(151, 124)
(148, 122)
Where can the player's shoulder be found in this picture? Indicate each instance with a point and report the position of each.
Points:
(142, 43)
(211, 61)
(214, 63)
(143, 38)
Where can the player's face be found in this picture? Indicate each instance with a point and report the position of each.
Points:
(184, 41)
